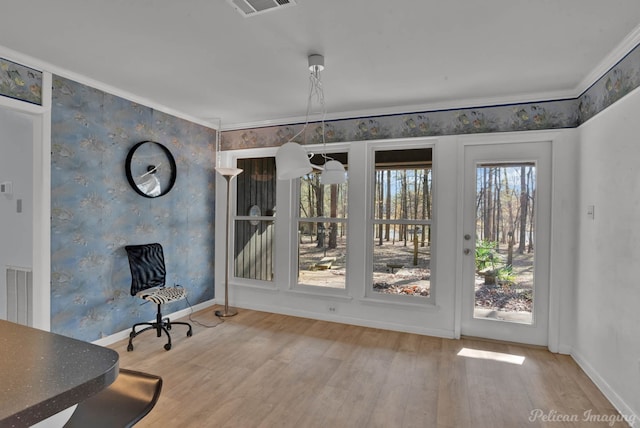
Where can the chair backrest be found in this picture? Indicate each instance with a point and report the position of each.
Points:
(147, 266)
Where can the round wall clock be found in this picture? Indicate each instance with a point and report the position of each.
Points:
(151, 169)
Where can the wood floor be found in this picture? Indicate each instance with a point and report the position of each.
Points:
(265, 370)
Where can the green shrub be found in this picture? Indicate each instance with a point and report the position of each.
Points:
(505, 274)
(485, 254)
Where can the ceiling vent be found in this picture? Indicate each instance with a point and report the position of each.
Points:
(248, 8)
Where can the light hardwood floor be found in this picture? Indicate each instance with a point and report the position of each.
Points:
(266, 370)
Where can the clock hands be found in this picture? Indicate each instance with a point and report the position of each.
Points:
(150, 170)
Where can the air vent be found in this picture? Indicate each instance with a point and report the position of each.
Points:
(248, 8)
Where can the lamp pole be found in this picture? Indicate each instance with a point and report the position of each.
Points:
(228, 174)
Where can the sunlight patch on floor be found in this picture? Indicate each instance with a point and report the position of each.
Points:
(489, 355)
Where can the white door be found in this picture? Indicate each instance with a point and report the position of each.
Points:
(506, 215)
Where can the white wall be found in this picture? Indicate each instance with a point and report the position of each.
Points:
(607, 297)
(16, 160)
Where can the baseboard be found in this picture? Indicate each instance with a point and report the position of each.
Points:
(627, 413)
(384, 325)
(113, 338)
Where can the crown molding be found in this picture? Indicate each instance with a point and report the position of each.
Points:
(44, 66)
(611, 60)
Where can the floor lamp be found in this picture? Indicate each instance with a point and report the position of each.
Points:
(228, 174)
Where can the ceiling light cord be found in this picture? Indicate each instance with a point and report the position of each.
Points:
(292, 161)
(317, 92)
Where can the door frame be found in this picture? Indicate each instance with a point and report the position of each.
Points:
(558, 333)
(41, 221)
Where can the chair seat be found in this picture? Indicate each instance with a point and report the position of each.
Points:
(122, 404)
(162, 295)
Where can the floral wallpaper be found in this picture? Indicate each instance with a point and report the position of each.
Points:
(95, 212)
(516, 117)
(621, 79)
(20, 82)
(569, 113)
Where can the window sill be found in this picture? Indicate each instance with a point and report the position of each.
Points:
(257, 285)
(328, 294)
(429, 305)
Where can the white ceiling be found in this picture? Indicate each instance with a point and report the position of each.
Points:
(203, 59)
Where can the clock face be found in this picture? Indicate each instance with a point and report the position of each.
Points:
(151, 169)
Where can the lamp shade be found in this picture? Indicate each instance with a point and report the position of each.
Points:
(292, 161)
(231, 172)
(333, 173)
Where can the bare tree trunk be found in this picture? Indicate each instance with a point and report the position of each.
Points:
(533, 202)
(333, 208)
(426, 209)
(319, 190)
(507, 192)
(405, 208)
(380, 198)
(498, 205)
(415, 247)
(524, 198)
(487, 203)
(388, 204)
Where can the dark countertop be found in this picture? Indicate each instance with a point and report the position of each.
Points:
(43, 373)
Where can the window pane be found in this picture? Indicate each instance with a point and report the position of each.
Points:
(256, 186)
(322, 250)
(322, 229)
(402, 212)
(505, 232)
(254, 249)
(254, 239)
(402, 259)
(318, 200)
(403, 190)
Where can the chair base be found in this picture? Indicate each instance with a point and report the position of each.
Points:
(161, 325)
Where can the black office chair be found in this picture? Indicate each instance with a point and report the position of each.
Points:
(122, 404)
(148, 282)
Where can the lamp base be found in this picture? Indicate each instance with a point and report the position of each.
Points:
(226, 313)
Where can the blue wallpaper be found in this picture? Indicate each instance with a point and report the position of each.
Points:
(20, 82)
(569, 113)
(95, 212)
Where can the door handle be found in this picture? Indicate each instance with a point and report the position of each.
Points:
(466, 251)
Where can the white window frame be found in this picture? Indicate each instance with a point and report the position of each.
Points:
(231, 158)
(403, 144)
(296, 220)
(360, 182)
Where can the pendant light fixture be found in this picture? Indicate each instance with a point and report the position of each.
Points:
(292, 160)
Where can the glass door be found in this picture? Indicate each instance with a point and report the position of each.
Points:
(506, 241)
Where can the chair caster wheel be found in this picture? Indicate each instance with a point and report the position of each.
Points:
(189, 333)
(167, 346)
(130, 348)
